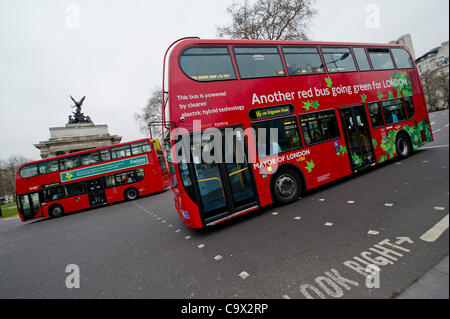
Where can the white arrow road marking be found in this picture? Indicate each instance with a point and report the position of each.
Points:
(436, 231)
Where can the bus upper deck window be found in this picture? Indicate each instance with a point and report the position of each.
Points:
(402, 59)
(381, 59)
(29, 170)
(258, 62)
(303, 60)
(207, 63)
(338, 60)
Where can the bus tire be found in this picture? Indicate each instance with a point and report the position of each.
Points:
(286, 186)
(56, 211)
(403, 146)
(131, 193)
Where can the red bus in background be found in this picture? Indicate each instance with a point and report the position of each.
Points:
(88, 179)
(339, 108)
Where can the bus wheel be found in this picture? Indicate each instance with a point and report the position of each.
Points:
(131, 193)
(403, 146)
(286, 187)
(56, 211)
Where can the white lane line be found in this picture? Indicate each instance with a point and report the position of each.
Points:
(437, 146)
(321, 199)
(425, 161)
(373, 232)
(244, 274)
(201, 246)
(286, 297)
(328, 224)
(218, 257)
(297, 218)
(436, 231)
(446, 125)
(350, 202)
(439, 208)
(432, 123)
(187, 237)
(177, 231)
(274, 213)
(436, 131)
(388, 204)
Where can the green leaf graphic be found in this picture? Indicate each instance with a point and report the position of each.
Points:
(307, 105)
(363, 98)
(329, 82)
(390, 95)
(310, 166)
(315, 104)
(380, 95)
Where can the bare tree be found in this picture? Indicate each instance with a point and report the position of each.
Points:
(151, 112)
(8, 171)
(269, 20)
(436, 91)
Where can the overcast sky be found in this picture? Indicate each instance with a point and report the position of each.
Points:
(115, 55)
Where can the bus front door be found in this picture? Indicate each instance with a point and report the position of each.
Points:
(225, 188)
(96, 191)
(357, 135)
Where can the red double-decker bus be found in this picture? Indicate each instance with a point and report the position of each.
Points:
(88, 179)
(338, 108)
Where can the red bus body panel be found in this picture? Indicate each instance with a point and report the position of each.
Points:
(238, 96)
(156, 179)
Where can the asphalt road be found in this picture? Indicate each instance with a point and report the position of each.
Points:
(141, 249)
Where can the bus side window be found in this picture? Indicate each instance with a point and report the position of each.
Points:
(303, 60)
(105, 155)
(29, 171)
(288, 136)
(375, 115)
(394, 111)
(70, 162)
(207, 63)
(110, 181)
(137, 148)
(258, 62)
(90, 158)
(361, 59)
(409, 106)
(338, 59)
(319, 127)
(121, 151)
(402, 58)
(162, 162)
(381, 59)
(140, 174)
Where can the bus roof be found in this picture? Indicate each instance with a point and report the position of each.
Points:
(82, 152)
(193, 40)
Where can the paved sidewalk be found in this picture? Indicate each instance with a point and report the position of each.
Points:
(432, 285)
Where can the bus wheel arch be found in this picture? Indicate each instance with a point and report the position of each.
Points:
(131, 193)
(56, 210)
(287, 174)
(403, 144)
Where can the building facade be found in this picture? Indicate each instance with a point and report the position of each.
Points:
(434, 61)
(76, 137)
